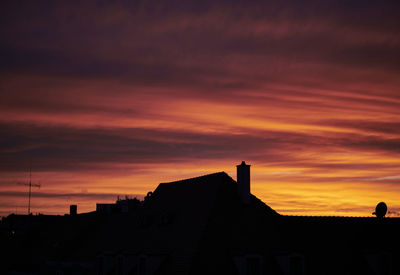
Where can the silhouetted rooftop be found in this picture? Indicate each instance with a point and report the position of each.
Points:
(196, 225)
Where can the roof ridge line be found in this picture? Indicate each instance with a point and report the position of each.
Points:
(198, 177)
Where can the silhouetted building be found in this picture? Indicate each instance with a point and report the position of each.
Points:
(120, 206)
(204, 225)
(73, 209)
(106, 208)
(243, 182)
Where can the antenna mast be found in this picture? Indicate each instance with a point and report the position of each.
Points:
(30, 188)
(30, 184)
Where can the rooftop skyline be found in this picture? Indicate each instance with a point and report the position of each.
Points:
(107, 98)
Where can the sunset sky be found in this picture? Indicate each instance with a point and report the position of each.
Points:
(107, 98)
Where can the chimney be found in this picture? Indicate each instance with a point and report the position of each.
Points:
(243, 182)
(73, 210)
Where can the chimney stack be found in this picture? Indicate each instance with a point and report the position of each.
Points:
(73, 210)
(243, 182)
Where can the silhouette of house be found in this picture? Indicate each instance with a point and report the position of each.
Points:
(206, 225)
(121, 206)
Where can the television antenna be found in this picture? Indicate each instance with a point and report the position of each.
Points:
(30, 184)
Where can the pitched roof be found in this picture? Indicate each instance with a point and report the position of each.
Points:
(179, 215)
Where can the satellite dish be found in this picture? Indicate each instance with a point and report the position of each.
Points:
(380, 210)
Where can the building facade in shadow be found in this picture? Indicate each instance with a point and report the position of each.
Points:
(205, 225)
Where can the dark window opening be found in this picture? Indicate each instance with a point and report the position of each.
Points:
(253, 266)
(142, 266)
(296, 265)
(100, 266)
(120, 265)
